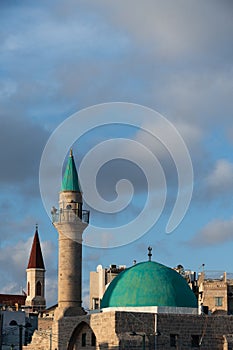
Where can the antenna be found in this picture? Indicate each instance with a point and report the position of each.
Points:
(202, 266)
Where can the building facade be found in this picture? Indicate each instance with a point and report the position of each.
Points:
(215, 292)
(99, 281)
(147, 306)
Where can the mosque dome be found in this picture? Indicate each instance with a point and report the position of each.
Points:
(149, 284)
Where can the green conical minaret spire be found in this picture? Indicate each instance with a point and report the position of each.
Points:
(70, 179)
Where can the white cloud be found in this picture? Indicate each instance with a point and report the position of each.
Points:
(7, 88)
(199, 97)
(12, 43)
(51, 290)
(15, 257)
(11, 288)
(174, 28)
(215, 232)
(177, 55)
(220, 181)
(14, 260)
(50, 260)
(86, 297)
(190, 133)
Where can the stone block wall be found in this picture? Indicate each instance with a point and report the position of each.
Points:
(211, 331)
(101, 324)
(40, 341)
(42, 337)
(45, 323)
(126, 330)
(132, 326)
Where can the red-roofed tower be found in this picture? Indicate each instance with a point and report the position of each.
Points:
(36, 277)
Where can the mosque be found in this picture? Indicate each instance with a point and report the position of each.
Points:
(147, 306)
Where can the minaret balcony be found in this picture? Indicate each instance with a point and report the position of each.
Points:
(70, 215)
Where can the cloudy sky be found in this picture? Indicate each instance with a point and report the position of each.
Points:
(175, 57)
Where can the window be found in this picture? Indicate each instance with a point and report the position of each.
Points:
(95, 303)
(38, 288)
(195, 341)
(173, 340)
(28, 288)
(218, 301)
(84, 339)
(93, 340)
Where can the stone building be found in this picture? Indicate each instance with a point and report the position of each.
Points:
(23, 309)
(215, 292)
(99, 281)
(34, 298)
(147, 306)
(129, 318)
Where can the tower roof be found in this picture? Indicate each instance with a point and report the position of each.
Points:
(70, 179)
(149, 284)
(36, 258)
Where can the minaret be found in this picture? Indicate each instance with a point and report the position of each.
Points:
(36, 277)
(70, 221)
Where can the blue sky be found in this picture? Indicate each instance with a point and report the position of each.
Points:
(172, 56)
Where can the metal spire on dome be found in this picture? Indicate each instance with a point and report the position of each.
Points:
(149, 253)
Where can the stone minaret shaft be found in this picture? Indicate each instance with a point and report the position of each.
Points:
(70, 221)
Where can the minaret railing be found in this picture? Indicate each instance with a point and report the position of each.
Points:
(70, 215)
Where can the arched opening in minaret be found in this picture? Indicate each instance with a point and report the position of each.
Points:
(28, 291)
(82, 337)
(38, 288)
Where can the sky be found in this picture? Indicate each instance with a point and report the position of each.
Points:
(173, 57)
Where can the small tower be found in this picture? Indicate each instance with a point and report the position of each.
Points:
(70, 221)
(36, 277)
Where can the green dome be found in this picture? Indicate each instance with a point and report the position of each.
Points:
(149, 284)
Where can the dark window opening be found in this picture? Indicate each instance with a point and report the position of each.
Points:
(195, 341)
(38, 288)
(93, 340)
(84, 339)
(28, 288)
(173, 340)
